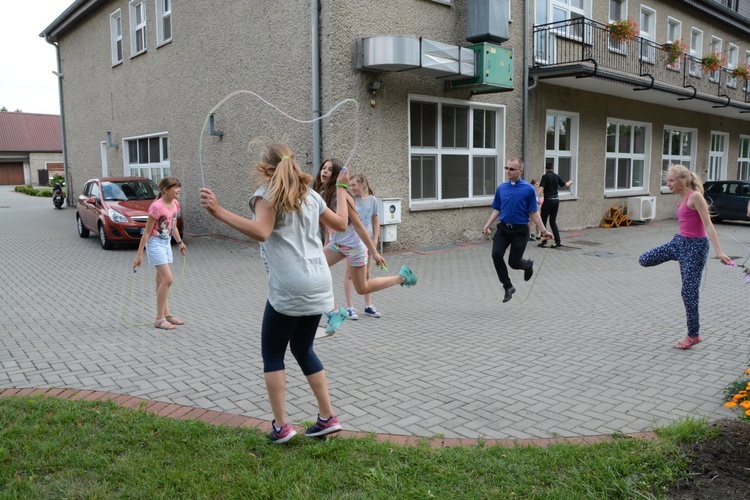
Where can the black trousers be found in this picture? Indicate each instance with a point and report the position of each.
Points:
(515, 238)
(549, 209)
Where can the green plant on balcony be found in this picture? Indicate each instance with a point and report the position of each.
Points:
(741, 71)
(623, 30)
(674, 50)
(713, 62)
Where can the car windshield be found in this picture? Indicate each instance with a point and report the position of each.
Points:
(130, 190)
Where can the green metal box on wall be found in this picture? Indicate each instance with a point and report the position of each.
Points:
(494, 67)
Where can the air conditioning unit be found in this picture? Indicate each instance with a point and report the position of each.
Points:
(642, 208)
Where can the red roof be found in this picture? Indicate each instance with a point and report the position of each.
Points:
(30, 132)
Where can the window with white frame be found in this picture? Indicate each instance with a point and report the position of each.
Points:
(148, 156)
(618, 9)
(733, 59)
(743, 159)
(716, 45)
(455, 149)
(163, 21)
(731, 4)
(115, 35)
(137, 27)
(717, 156)
(674, 32)
(678, 148)
(696, 50)
(561, 145)
(564, 10)
(647, 28)
(626, 155)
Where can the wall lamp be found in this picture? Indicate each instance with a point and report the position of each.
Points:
(212, 130)
(109, 141)
(374, 86)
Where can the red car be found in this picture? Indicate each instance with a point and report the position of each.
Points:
(116, 208)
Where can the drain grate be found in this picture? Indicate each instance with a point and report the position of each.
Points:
(605, 255)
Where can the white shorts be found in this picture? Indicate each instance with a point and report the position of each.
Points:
(159, 251)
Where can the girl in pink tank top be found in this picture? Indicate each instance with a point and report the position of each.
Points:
(690, 247)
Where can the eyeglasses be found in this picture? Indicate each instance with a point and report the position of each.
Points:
(511, 169)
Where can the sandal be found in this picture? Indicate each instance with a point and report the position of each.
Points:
(175, 320)
(543, 244)
(687, 343)
(164, 325)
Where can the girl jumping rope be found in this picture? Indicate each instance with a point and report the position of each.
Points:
(287, 217)
(690, 247)
(353, 243)
(367, 209)
(157, 239)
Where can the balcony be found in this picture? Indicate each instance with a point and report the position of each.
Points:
(582, 53)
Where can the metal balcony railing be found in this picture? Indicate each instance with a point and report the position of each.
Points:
(587, 47)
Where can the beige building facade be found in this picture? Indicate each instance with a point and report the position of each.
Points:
(141, 79)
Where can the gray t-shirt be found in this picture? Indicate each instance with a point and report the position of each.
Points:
(299, 281)
(367, 209)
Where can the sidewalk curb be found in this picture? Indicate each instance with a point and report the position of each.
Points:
(212, 417)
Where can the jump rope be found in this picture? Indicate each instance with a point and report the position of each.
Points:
(202, 170)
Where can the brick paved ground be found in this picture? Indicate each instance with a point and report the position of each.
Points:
(583, 350)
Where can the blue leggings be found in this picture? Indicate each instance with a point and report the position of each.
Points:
(279, 331)
(692, 254)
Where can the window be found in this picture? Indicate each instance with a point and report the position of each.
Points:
(733, 58)
(674, 32)
(626, 157)
(137, 27)
(618, 9)
(716, 44)
(696, 50)
(163, 22)
(743, 159)
(562, 145)
(455, 150)
(149, 156)
(573, 10)
(648, 25)
(678, 149)
(717, 156)
(115, 35)
(731, 4)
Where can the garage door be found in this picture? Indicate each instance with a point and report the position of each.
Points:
(11, 174)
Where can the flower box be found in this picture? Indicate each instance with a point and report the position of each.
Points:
(713, 62)
(674, 50)
(623, 30)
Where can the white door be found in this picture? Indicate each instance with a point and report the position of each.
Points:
(103, 149)
(717, 156)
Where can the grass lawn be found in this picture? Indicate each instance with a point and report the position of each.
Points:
(56, 448)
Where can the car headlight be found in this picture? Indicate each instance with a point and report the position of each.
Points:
(116, 216)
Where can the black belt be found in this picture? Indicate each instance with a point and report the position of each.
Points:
(512, 227)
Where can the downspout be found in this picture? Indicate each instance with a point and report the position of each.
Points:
(66, 170)
(526, 89)
(314, 16)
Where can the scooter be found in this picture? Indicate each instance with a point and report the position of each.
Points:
(57, 196)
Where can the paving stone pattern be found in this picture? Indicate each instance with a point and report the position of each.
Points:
(584, 349)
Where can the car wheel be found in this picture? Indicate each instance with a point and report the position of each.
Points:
(106, 242)
(82, 231)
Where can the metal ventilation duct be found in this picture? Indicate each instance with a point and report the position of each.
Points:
(389, 53)
(415, 55)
